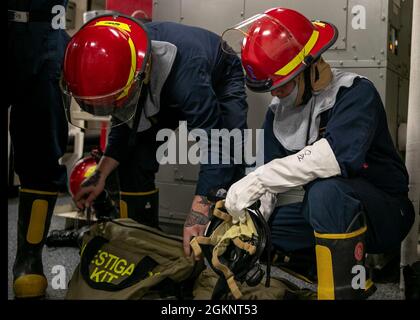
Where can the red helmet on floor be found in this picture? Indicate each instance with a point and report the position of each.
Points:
(82, 169)
(105, 65)
(278, 45)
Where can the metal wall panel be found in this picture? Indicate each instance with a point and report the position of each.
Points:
(215, 15)
(369, 47)
(181, 197)
(178, 172)
(365, 47)
(166, 173)
(186, 172)
(166, 10)
(319, 9)
(174, 205)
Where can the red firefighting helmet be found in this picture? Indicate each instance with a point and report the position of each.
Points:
(278, 45)
(82, 169)
(105, 65)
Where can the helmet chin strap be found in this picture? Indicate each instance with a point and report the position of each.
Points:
(307, 92)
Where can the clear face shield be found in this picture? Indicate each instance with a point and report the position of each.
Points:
(121, 104)
(264, 41)
(235, 36)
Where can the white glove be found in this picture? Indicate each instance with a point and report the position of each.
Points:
(279, 175)
(268, 203)
(241, 195)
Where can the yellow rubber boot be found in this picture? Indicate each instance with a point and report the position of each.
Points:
(35, 212)
(340, 266)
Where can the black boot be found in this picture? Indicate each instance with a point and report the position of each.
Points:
(35, 212)
(103, 207)
(141, 206)
(341, 266)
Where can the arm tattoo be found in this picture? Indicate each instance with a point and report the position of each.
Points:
(195, 218)
(92, 180)
(204, 201)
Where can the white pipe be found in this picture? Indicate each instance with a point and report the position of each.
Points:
(409, 246)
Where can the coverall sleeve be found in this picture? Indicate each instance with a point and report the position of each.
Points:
(352, 126)
(201, 109)
(117, 145)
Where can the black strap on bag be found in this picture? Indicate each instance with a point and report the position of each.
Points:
(141, 271)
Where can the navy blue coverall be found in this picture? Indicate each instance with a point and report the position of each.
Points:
(373, 178)
(38, 130)
(38, 125)
(205, 88)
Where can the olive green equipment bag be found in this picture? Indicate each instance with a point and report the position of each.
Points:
(279, 289)
(122, 259)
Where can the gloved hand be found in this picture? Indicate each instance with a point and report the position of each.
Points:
(268, 203)
(279, 175)
(241, 195)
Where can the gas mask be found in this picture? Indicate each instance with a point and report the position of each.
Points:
(233, 250)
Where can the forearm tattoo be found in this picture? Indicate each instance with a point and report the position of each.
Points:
(204, 201)
(195, 218)
(92, 180)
